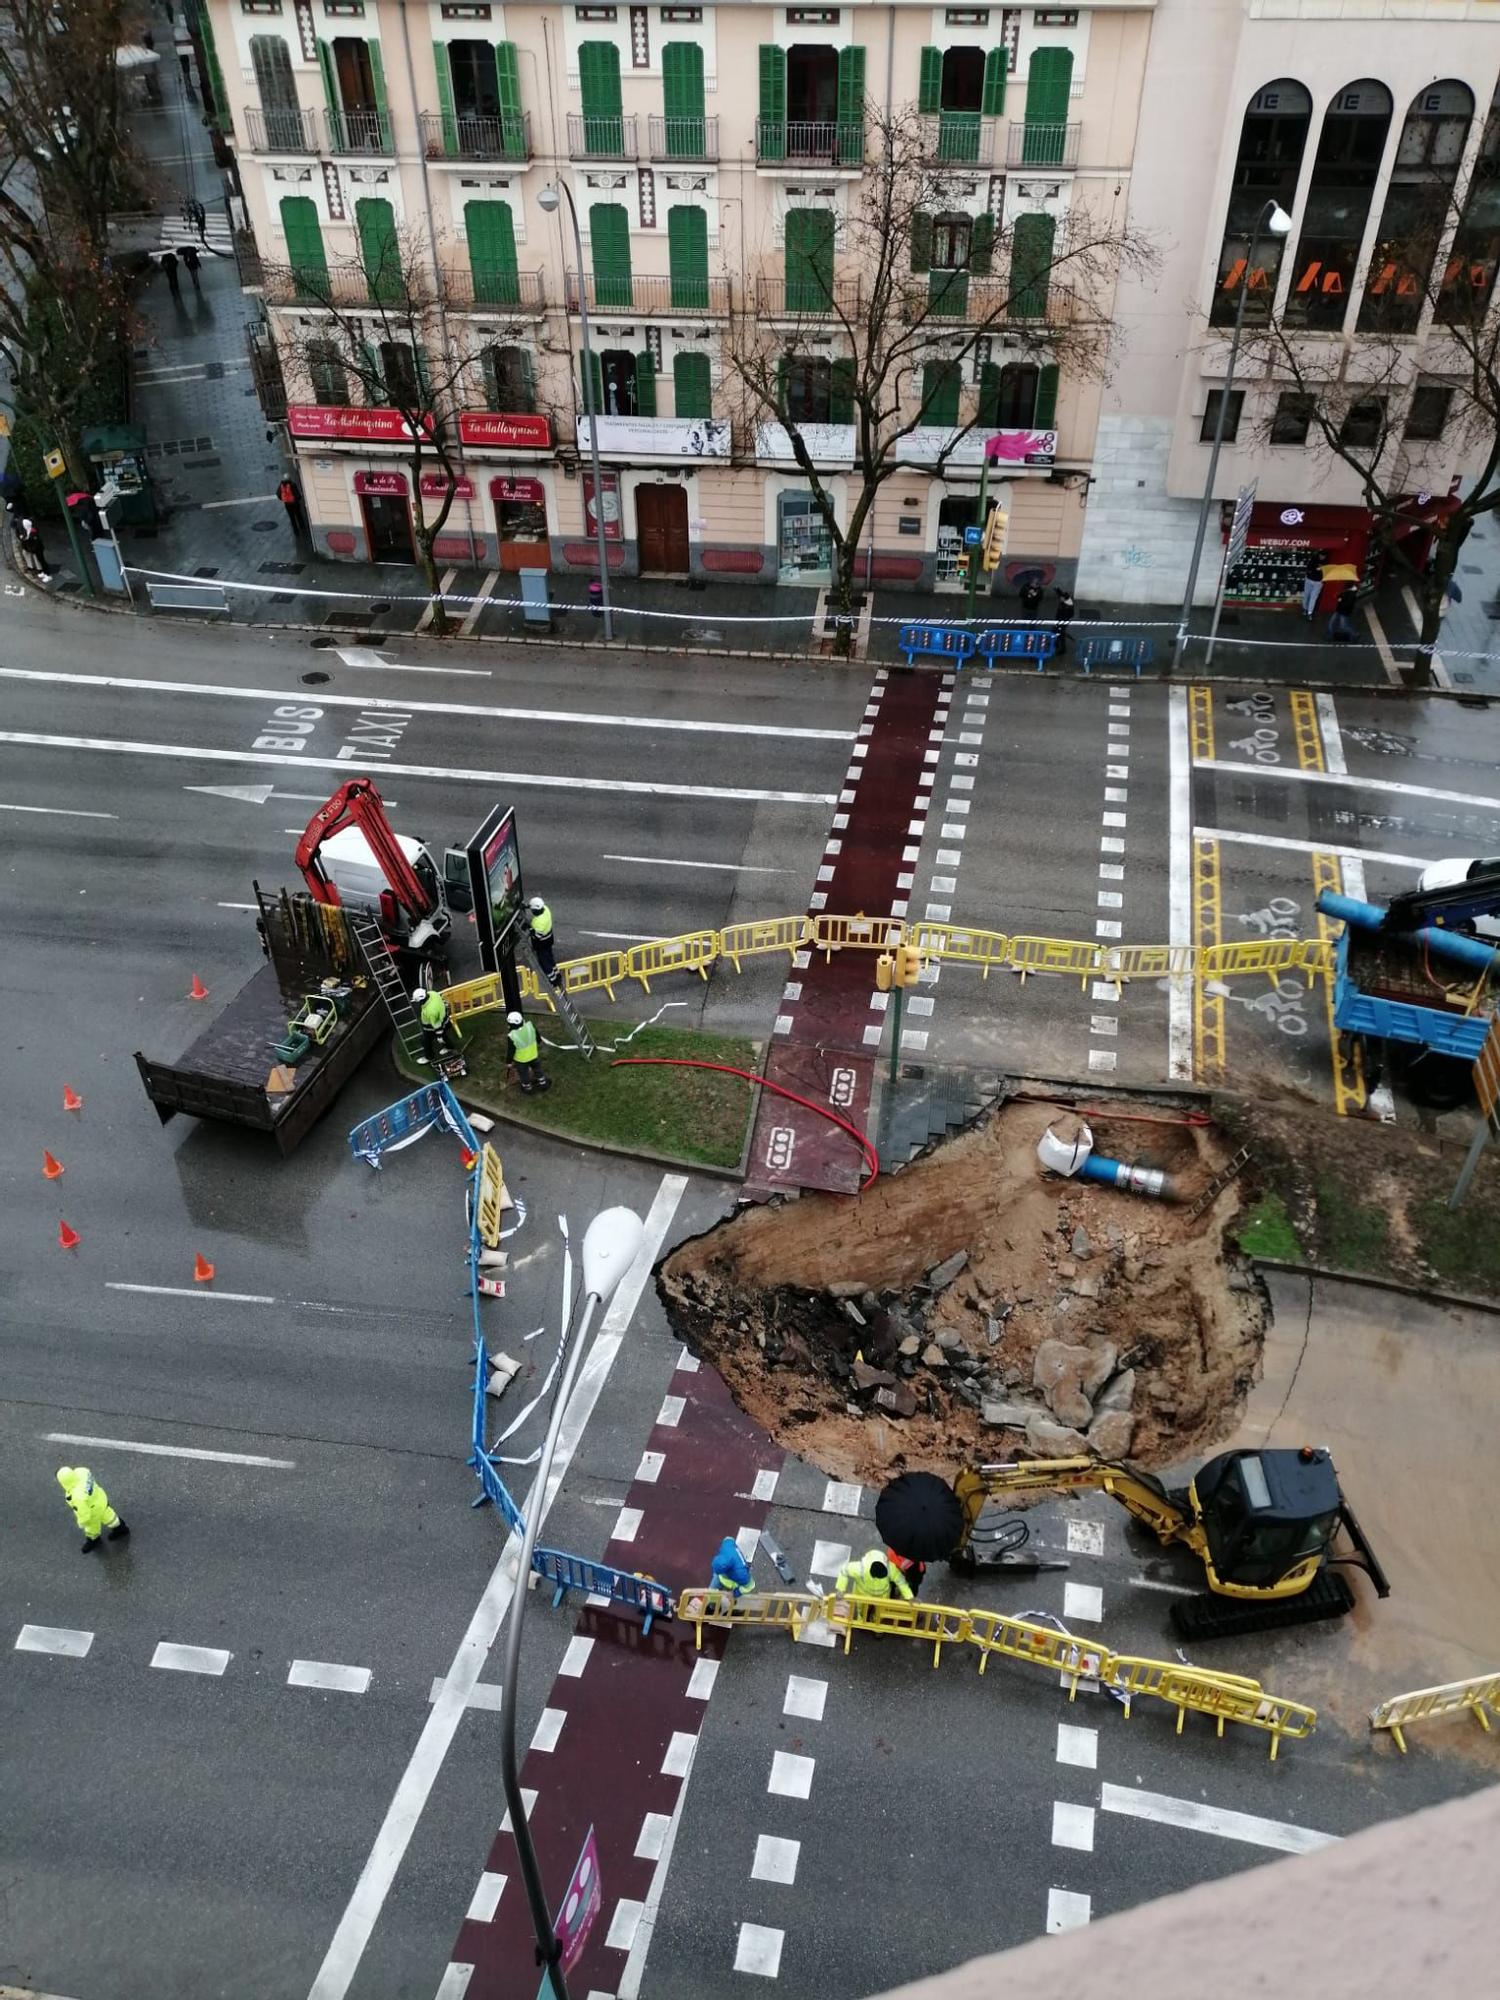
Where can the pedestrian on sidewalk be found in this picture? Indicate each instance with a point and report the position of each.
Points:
(197, 215)
(1312, 584)
(525, 1055)
(190, 265)
(731, 1573)
(91, 1508)
(539, 922)
(32, 554)
(290, 496)
(169, 265)
(1341, 624)
(1065, 614)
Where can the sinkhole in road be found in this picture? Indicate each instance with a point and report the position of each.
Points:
(970, 1307)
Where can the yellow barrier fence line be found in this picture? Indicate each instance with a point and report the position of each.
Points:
(956, 946)
(1478, 1696)
(693, 951)
(788, 934)
(830, 934)
(790, 1609)
(942, 1624)
(1225, 1697)
(1035, 1645)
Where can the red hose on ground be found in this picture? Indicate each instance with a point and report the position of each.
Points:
(872, 1158)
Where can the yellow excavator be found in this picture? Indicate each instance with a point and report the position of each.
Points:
(1262, 1523)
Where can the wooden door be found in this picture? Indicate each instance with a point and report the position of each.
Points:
(661, 518)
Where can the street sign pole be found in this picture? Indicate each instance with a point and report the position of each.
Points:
(897, 998)
(57, 467)
(1487, 1089)
(976, 554)
(1234, 552)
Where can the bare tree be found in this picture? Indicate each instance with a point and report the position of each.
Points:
(381, 330)
(1364, 405)
(928, 290)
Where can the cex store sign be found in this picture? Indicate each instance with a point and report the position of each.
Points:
(330, 422)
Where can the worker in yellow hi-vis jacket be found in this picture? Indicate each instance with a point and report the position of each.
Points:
(874, 1575)
(91, 1508)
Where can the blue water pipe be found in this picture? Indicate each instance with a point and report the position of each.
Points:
(1367, 917)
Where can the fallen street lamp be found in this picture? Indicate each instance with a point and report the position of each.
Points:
(610, 1246)
(549, 201)
(1274, 219)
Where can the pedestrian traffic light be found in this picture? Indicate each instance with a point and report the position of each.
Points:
(994, 537)
(885, 972)
(908, 965)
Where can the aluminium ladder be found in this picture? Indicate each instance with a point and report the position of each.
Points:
(560, 999)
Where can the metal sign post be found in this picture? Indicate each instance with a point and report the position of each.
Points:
(1234, 555)
(1487, 1086)
(495, 884)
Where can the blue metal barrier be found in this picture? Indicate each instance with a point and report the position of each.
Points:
(1113, 649)
(1010, 642)
(400, 1123)
(643, 1593)
(949, 642)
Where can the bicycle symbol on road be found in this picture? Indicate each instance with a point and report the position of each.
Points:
(1259, 747)
(1277, 920)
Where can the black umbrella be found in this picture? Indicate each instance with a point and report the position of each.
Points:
(919, 1516)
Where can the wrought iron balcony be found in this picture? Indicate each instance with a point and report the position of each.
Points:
(265, 372)
(807, 298)
(601, 138)
(247, 261)
(684, 138)
(315, 285)
(798, 142)
(499, 294)
(963, 300)
(355, 132)
(293, 130)
(461, 137)
(958, 139)
(1042, 145)
(654, 296)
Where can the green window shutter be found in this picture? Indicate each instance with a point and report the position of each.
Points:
(215, 74)
(491, 232)
(1044, 416)
(989, 396)
(691, 386)
(378, 249)
(682, 99)
(377, 83)
(445, 98)
(599, 82)
(424, 373)
(528, 380)
(992, 104)
(304, 245)
(591, 382)
(645, 385)
(609, 234)
(1031, 265)
(941, 381)
(851, 132)
(809, 259)
(841, 390)
(771, 143)
(508, 89)
(330, 83)
(982, 246)
(948, 294)
(930, 85)
(783, 369)
(921, 241)
(687, 258)
(1049, 85)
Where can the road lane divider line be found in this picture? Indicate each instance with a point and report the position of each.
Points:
(1199, 1818)
(1349, 855)
(668, 861)
(1180, 885)
(1346, 1064)
(60, 1642)
(1391, 786)
(58, 812)
(171, 1450)
(187, 1292)
(1381, 1100)
(529, 780)
(1209, 1050)
(329, 1676)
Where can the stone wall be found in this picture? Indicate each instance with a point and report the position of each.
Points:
(1137, 540)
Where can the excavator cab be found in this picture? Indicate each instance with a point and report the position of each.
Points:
(1268, 1517)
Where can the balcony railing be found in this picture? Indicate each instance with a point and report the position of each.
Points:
(970, 301)
(352, 132)
(958, 139)
(247, 261)
(652, 295)
(807, 298)
(684, 138)
(312, 285)
(292, 130)
(830, 143)
(522, 294)
(601, 138)
(461, 137)
(1042, 146)
(265, 373)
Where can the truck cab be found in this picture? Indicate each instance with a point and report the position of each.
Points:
(350, 865)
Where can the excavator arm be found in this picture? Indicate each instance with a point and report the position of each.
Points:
(1169, 1519)
(357, 803)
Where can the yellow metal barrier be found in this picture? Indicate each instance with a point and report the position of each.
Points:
(1037, 954)
(1226, 1697)
(1035, 1646)
(694, 951)
(1145, 961)
(939, 1624)
(474, 996)
(1267, 957)
(831, 934)
(1477, 1696)
(491, 1195)
(790, 1609)
(947, 942)
(788, 934)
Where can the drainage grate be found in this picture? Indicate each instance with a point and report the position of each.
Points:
(316, 678)
(199, 464)
(281, 569)
(350, 618)
(264, 527)
(174, 447)
(286, 597)
(211, 570)
(214, 371)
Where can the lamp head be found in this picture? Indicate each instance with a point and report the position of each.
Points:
(549, 199)
(1278, 222)
(609, 1249)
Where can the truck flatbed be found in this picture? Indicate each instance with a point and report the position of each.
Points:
(1382, 989)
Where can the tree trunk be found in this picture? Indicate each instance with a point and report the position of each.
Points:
(841, 596)
(425, 537)
(1432, 588)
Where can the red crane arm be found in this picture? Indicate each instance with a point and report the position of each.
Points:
(358, 803)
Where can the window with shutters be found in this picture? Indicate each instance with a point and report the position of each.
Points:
(809, 260)
(1007, 396)
(948, 286)
(400, 371)
(513, 142)
(942, 382)
(609, 234)
(326, 372)
(354, 79)
(599, 83)
(687, 253)
(476, 88)
(277, 86)
(1031, 265)
(682, 100)
(807, 388)
(770, 125)
(509, 381)
(1049, 87)
(489, 228)
(691, 386)
(304, 247)
(379, 250)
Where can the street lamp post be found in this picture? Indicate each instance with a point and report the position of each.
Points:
(1275, 219)
(548, 200)
(610, 1247)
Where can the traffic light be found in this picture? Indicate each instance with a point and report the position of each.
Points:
(885, 972)
(908, 965)
(994, 538)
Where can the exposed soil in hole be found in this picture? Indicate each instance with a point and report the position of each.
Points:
(1078, 1312)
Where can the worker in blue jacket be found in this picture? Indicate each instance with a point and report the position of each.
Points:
(731, 1572)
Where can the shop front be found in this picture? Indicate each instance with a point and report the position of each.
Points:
(1281, 538)
(384, 504)
(521, 534)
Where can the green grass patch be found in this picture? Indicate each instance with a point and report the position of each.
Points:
(1354, 1237)
(1463, 1249)
(681, 1114)
(1267, 1232)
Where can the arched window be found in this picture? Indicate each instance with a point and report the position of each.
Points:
(1266, 167)
(1344, 174)
(1468, 284)
(1417, 205)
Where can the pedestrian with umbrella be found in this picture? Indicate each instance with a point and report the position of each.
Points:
(921, 1521)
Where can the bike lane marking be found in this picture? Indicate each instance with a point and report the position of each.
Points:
(1346, 1064)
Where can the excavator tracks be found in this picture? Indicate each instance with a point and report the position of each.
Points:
(1200, 1618)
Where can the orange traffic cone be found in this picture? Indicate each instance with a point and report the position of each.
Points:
(71, 1100)
(67, 1239)
(197, 991)
(203, 1271)
(50, 1167)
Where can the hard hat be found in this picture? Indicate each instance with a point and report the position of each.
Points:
(514, 1021)
(419, 996)
(536, 903)
(65, 1476)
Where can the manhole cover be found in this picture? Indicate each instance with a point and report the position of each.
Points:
(317, 678)
(212, 569)
(264, 528)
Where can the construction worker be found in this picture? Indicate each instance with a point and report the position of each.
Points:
(526, 1055)
(90, 1504)
(731, 1572)
(908, 1567)
(439, 1032)
(874, 1575)
(539, 918)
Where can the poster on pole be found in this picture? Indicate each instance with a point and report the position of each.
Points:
(495, 883)
(1239, 528)
(581, 1904)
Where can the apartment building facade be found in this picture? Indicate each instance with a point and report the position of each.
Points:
(711, 153)
(1350, 115)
